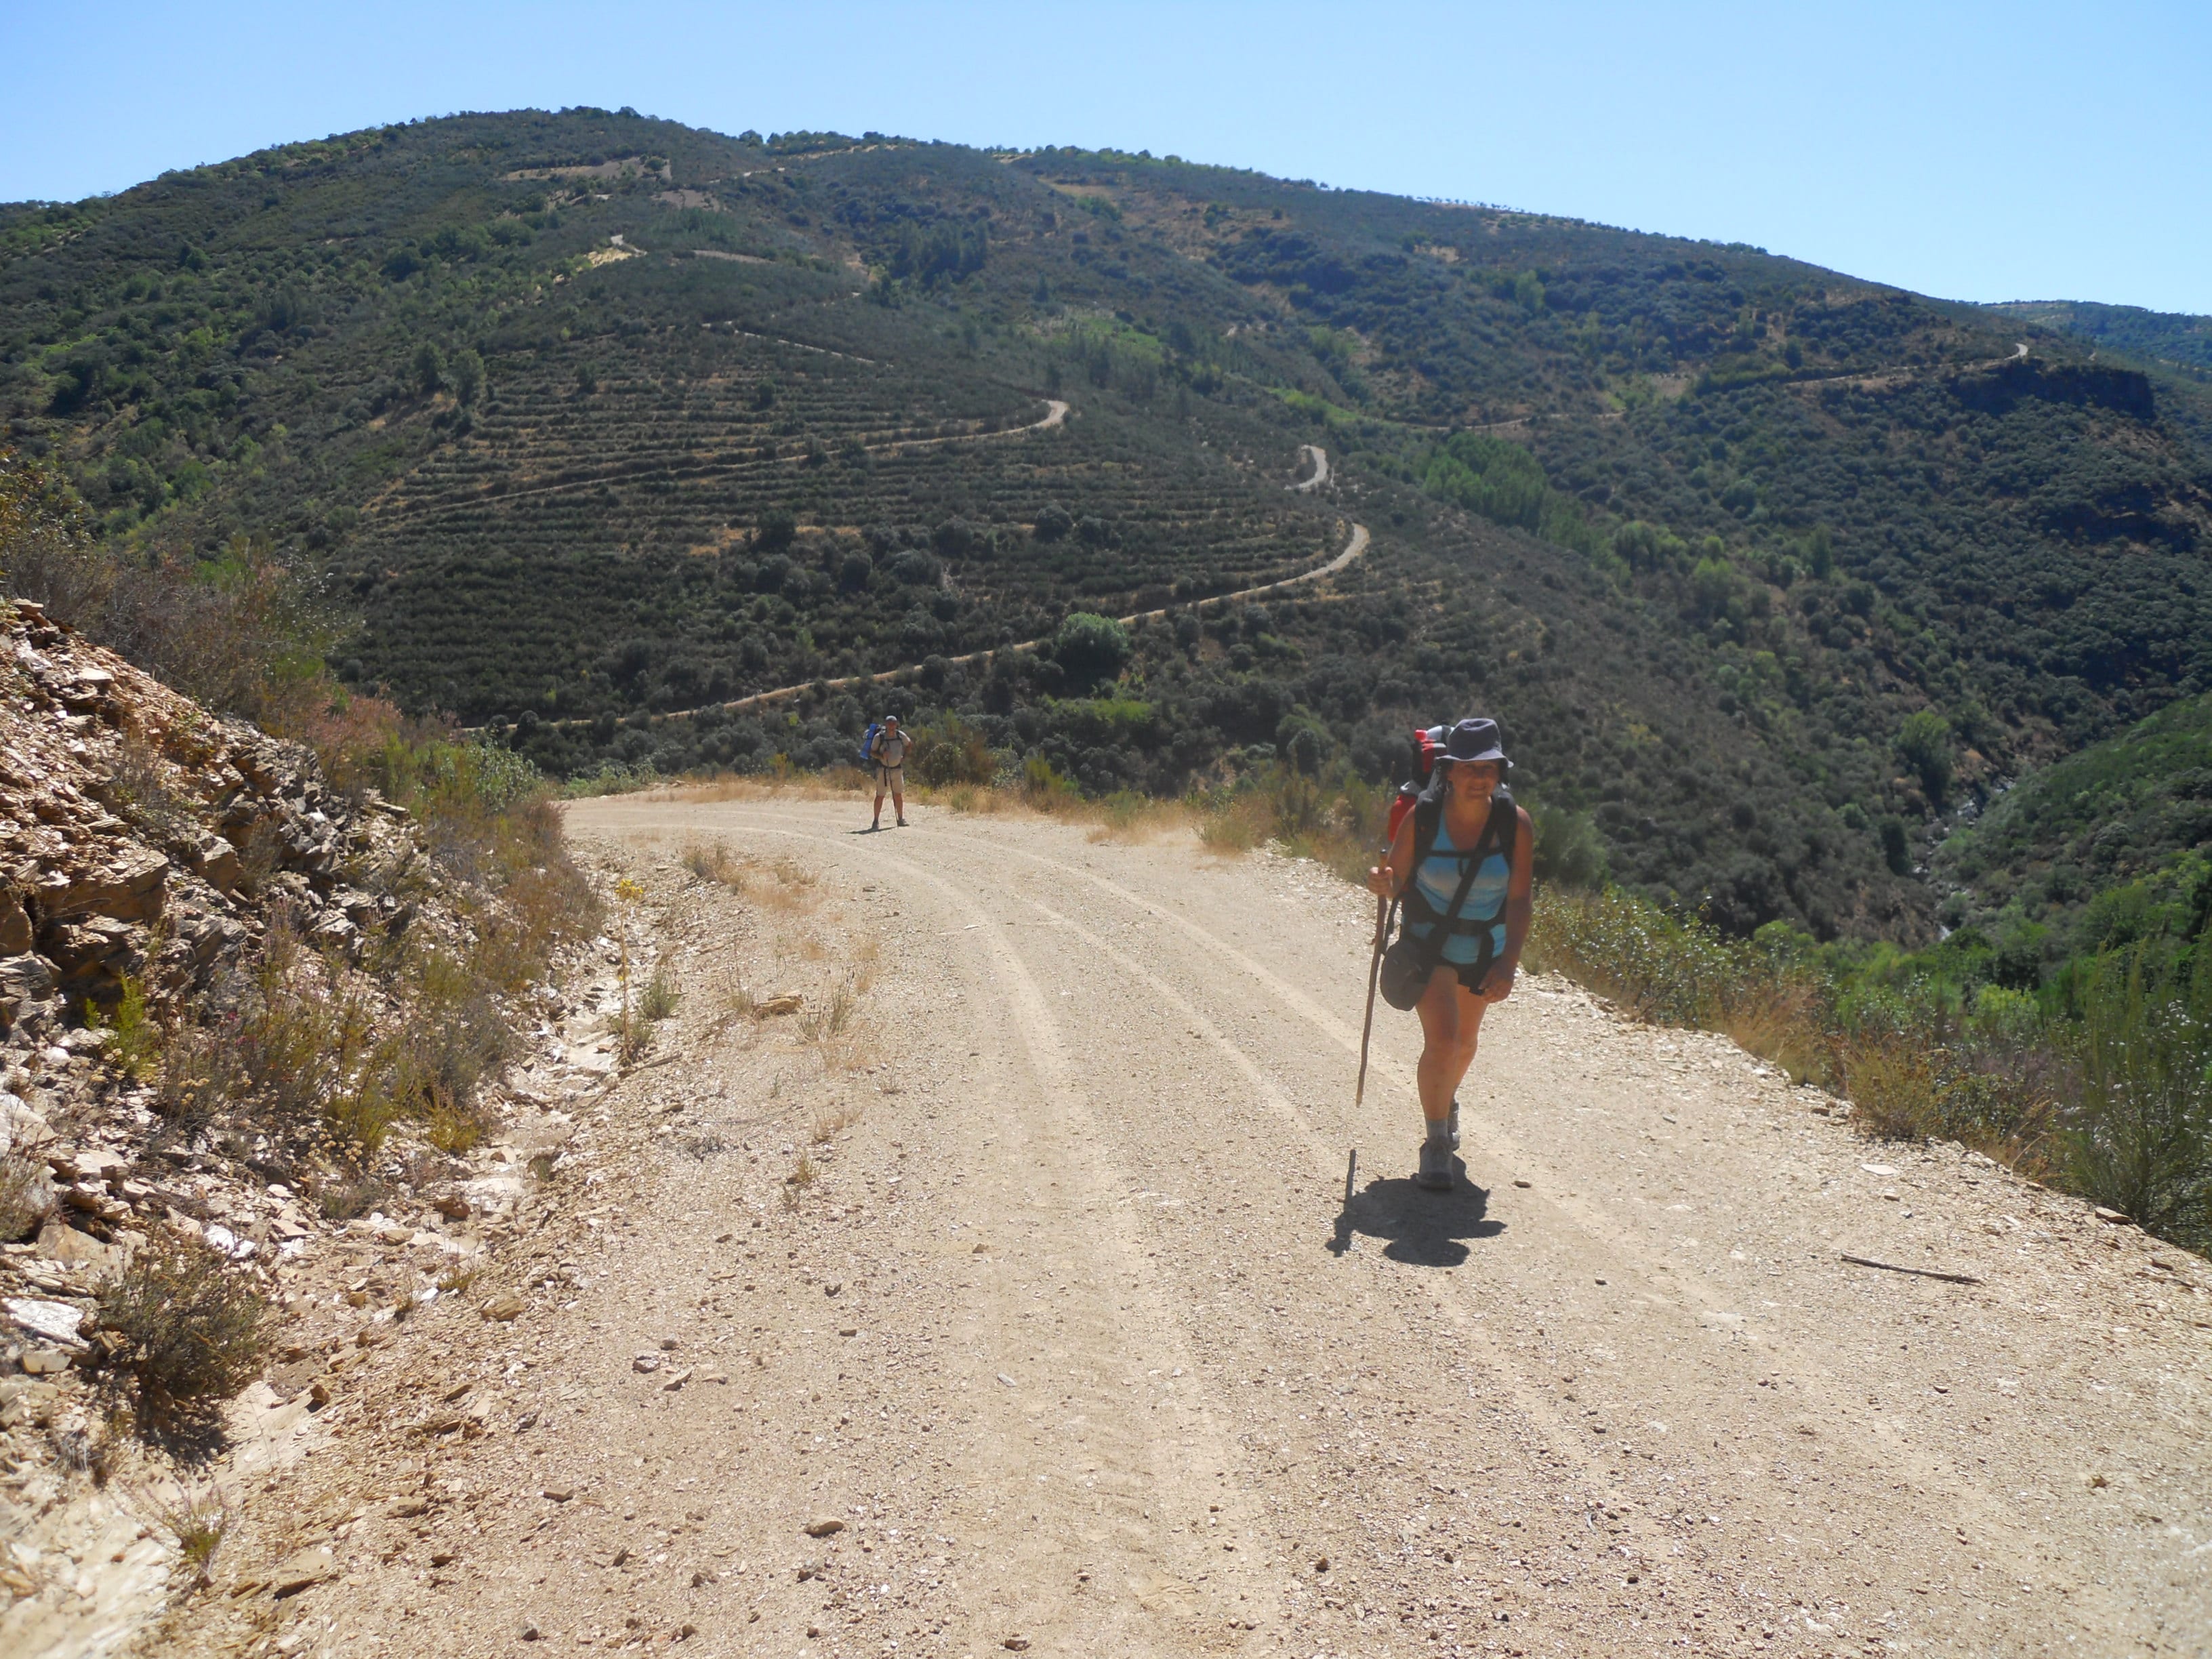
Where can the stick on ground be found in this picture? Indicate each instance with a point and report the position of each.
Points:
(1917, 1273)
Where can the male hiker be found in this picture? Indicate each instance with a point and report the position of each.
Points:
(887, 754)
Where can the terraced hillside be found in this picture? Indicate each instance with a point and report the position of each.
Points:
(597, 423)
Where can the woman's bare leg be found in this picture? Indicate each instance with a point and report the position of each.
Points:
(1451, 1021)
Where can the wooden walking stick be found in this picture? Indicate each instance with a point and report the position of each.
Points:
(1382, 914)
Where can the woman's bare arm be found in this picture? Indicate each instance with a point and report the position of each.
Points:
(1387, 880)
(1520, 909)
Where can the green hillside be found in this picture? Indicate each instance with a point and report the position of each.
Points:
(2108, 846)
(596, 422)
(2173, 338)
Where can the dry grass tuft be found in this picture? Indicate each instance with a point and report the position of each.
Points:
(795, 1184)
(1125, 816)
(661, 996)
(714, 861)
(830, 1017)
(457, 1281)
(783, 884)
(26, 1198)
(1233, 831)
(198, 1520)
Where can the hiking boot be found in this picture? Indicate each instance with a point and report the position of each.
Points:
(1435, 1172)
(1452, 1123)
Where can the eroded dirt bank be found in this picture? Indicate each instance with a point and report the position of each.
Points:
(1022, 1307)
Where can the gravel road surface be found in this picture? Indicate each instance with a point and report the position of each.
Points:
(1036, 1292)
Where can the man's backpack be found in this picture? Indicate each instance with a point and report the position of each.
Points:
(868, 743)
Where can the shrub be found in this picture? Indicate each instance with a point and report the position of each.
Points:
(660, 996)
(951, 750)
(776, 530)
(134, 1039)
(1090, 648)
(1666, 969)
(2141, 1140)
(1045, 788)
(26, 1198)
(241, 632)
(1570, 851)
(193, 1329)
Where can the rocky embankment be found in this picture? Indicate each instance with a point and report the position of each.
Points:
(159, 866)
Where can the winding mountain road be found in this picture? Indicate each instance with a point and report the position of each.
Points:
(1355, 545)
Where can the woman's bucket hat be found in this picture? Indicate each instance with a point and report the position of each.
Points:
(1473, 739)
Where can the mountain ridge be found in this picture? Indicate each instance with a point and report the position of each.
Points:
(1706, 527)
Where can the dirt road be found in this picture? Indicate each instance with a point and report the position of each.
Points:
(1355, 545)
(1066, 1320)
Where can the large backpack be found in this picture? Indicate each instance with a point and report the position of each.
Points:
(1410, 960)
(868, 743)
(1428, 744)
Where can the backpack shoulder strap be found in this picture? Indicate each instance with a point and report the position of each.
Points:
(1428, 819)
(1504, 821)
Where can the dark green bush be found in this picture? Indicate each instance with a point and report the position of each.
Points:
(1089, 648)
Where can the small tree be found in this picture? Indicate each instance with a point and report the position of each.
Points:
(1713, 586)
(1896, 849)
(468, 376)
(1821, 553)
(1090, 648)
(1923, 743)
(775, 530)
(430, 368)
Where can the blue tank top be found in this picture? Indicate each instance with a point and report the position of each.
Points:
(1438, 877)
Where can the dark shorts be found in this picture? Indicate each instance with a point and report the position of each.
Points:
(1470, 973)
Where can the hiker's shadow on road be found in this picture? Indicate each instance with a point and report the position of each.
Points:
(1428, 1229)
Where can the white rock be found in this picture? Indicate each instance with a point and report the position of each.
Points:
(57, 1322)
(222, 1237)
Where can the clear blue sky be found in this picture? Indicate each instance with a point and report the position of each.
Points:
(1977, 151)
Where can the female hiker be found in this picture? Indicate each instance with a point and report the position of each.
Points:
(1461, 862)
